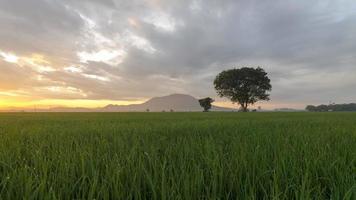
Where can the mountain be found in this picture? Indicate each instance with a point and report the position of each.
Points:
(175, 102)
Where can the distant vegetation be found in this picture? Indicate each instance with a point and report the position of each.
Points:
(244, 86)
(332, 107)
(178, 156)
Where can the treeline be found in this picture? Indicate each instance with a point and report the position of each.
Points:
(332, 107)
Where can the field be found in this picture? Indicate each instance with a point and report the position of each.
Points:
(178, 156)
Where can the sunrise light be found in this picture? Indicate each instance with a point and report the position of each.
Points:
(8, 57)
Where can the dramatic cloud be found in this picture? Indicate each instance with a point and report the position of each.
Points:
(133, 50)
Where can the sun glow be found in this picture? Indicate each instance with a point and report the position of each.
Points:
(37, 62)
(111, 57)
(37, 59)
(8, 57)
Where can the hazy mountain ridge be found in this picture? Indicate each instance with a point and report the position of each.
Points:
(175, 102)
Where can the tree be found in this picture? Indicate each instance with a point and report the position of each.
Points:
(322, 108)
(206, 103)
(244, 86)
(311, 108)
(332, 107)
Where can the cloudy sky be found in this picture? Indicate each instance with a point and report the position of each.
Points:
(91, 53)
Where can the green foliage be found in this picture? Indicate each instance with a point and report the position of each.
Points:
(311, 108)
(206, 103)
(244, 86)
(178, 156)
(332, 107)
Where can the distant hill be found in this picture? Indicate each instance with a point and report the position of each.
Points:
(175, 102)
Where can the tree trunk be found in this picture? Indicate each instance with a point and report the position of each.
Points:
(244, 107)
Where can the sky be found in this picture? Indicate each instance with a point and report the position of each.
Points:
(91, 53)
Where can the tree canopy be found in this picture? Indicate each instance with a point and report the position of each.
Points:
(206, 103)
(332, 107)
(244, 86)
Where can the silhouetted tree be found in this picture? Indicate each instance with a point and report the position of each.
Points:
(332, 107)
(244, 86)
(311, 108)
(322, 108)
(206, 103)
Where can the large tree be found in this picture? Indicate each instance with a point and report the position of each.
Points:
(244, 86)
(206, 103)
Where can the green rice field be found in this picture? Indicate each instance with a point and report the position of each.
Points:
(178, 155)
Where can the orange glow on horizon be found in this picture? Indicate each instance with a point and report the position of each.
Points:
(50, 103)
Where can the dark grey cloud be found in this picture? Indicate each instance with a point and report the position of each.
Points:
(39, 26)
(171, 46)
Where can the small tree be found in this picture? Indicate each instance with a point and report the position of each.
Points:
(206, 103)
(322, 108)
(244, 86)
(311, 108)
